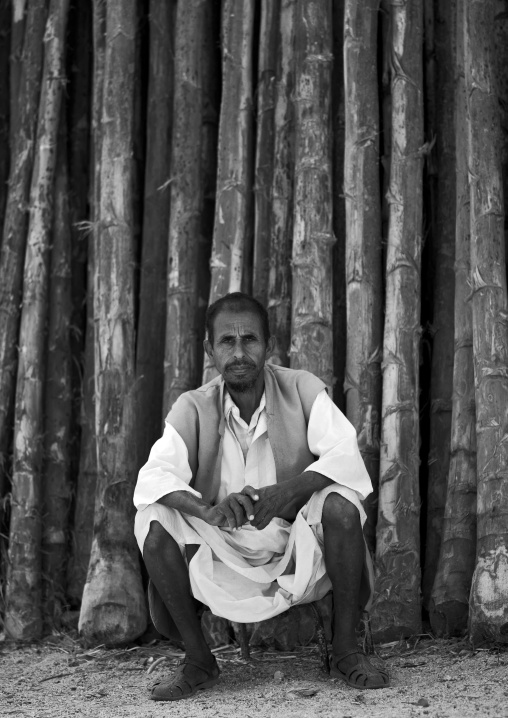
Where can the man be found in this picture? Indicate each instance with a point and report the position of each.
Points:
(250, 503)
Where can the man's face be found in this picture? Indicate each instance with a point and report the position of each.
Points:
(239, 349)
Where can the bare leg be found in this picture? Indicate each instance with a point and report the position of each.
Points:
(169, 573)
(344, 557)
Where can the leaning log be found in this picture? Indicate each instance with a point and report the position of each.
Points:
(311, 314)
(489, 592)
(113, 607)
(23, 589)
(396, 609)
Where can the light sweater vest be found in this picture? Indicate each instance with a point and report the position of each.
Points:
(198, 416)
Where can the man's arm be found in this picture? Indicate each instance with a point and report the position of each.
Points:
(234, 511)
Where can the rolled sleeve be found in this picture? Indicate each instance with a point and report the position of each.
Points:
(332, 438)
(166, 470)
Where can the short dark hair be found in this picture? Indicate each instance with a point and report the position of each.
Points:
(237, 302)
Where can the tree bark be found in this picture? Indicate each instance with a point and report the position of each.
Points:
(264, 163)
(339, 208)
(443, 255)
(154, 248)
(311, 321)
(6, 32)
(57, 400)
(187, 192)
(232, 236)
(113, 607)
(12, 254)
(281, 216)
(449, 605)
(363, 240)
(84, 507)
(396, 609)
(19, 23)
(23, 607)
(489, 592)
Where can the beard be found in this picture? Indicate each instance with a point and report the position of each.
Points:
(241, 384)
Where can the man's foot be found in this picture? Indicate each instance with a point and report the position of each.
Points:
(190, 676)
(355, 669)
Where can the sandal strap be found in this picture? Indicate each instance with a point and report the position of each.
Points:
(197, 664)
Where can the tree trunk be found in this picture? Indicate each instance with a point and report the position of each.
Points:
(57, 400)
(449, 605)
(19, 24)
(113, 607)
(281, 218)
(339, 310)
(489, 592)
(267, 59)
(87, 473)
(311, 325)
(396, 608)
(23, 608)
(13, 247)
(363, 240)
(6, 32)
(154, 249)
(232, 236)
(443, 256)
(187, 190)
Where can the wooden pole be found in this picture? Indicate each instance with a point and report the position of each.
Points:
(23, 605)
(113, 606)
(6, 33)
(396, 609)
(489, 592)
(449, 605)
(232, 236)
(311, 319)
(154, 247)
(281, 215)
(265, 138)
(363, 240)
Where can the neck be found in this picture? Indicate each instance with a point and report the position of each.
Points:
(248, 401)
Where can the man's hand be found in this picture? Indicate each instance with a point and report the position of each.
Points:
(234, 511)
(276, 500)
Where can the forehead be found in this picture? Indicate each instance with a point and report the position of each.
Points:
(228, 322)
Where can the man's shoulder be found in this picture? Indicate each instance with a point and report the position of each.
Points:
(297, 377)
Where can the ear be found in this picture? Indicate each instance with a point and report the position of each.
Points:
(208, 347)
(270, 347)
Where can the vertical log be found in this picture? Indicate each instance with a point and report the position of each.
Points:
(396, 609)
(311, 320)
(187, 194)
(6, 31)
(154, 248)
(232, 236)
(264, 162)
(19, 22)
(339, 208)
(489, 592)
(87, 472)
(443, 255)
(363, 239)
(449, 606)
(57, 399)
(113, 606)
(23, 609)
(281, 219)
(12, 254)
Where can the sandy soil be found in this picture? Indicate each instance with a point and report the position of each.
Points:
(58, 677)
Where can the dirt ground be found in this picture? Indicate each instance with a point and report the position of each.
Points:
(58, 677)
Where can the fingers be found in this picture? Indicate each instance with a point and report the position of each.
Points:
(247, 505)
(251, 492)
(229, 514)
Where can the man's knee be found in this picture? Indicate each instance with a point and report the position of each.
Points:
(338, 512)
(156, 539)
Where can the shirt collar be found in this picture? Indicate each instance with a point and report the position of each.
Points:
(230, 408)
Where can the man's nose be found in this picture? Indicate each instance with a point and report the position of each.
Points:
(239, 352)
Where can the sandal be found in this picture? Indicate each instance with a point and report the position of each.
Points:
(180, 686)
(362, 675)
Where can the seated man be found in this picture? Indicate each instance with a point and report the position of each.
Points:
(250, 503)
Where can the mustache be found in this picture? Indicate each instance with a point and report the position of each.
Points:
(240, 362)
